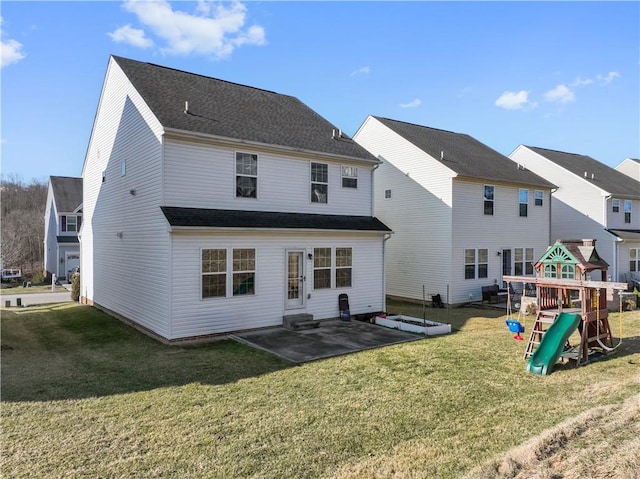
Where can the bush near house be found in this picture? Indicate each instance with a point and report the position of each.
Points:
(75, 287)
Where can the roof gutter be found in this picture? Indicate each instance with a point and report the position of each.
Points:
(243, 229)
(233, 142)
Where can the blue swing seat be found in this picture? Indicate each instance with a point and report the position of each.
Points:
(515, 326)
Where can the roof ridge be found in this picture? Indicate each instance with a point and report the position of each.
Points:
(559, 151)
(116, 57)
(421, 126)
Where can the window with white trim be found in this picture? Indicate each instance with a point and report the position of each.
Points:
(528, 261)
(246, 175)
(523, 198)
(321, 268)
(634, 259)
(488, 192)
(70, 223)
(349, 177)
(538, 197)
(244, 271)
(214, 273)
(344, 262)
(615, 205)
(387, 194)
(627, 211)
(123, 167)
(319, 182)
(476, 263)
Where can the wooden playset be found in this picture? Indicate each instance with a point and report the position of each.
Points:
(571, 278)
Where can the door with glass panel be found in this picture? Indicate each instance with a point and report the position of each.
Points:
(295, 279)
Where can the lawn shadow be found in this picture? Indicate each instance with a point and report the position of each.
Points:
(75, 352)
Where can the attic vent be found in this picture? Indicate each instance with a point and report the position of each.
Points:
(186, 107)
(586, 174)
(338, 135)
(441, 154)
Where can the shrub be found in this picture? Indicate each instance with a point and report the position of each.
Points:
(75, 287)
(38, 278)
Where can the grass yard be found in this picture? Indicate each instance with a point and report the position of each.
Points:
(83, 395)
(39, 288)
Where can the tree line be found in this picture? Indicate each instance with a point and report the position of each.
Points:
(22, 207)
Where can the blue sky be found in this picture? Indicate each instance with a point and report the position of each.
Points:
(559, 75)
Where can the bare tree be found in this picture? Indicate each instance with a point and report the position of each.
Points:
(22, 209)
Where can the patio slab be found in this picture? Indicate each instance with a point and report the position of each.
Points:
(332, 338)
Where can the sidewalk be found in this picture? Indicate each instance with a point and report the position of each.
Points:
(36, 298)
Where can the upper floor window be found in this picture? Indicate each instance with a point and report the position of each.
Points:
(349, 177)
(627, 211)
(538, 196)
(523, 198)
(488, 199)
(246, 175)
(70, 223)
(387, 194)
(615, 205)
(123, 167)
(476, 262)
(319, 182)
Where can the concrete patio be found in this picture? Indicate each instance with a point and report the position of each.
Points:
(332, 338)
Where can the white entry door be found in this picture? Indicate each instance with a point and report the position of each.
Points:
(72, 261)
(295, 279)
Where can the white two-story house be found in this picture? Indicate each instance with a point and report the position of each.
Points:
(463, 215)
(212, 207)
(630, 167)
(593, 200)
(62, 221)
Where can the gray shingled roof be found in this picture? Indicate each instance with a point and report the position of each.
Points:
(67, 193)
(230, 110)
(604, 177)
(465, 155)
(211, 218)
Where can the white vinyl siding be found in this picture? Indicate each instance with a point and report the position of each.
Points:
(193, 317)
(200, 175)
(125, 243)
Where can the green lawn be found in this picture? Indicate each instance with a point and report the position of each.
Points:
(83, 395)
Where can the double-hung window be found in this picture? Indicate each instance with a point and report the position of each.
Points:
(319, 182)
(214, 273)
(523, 197)
(488, 192)
(538, 197)
(244, 271)
(615, 205)
(321, 268)
(476, 261)
(528, 261)
(349, 177)
(246, 175)
(344, 262)
(627, 211)
(523, 261)
(70, 223)
(634, 259)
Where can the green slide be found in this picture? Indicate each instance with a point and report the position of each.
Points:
(552, 343)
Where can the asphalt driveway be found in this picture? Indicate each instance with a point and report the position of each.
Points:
(332, 338)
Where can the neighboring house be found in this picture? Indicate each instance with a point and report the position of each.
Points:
(213, 207)
(593, 200)
(630, 167)
(62, 222)
(462, 214)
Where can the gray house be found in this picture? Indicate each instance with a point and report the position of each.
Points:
(62, 221)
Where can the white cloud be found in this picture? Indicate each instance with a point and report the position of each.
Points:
(10, 50)
(581, 82)
(561, 94)
(412, 104)
(511, 100)
(214, 29)
(131, 36)
(609, 77)
(360, 71)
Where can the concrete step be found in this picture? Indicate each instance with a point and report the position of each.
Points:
(296, 322)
